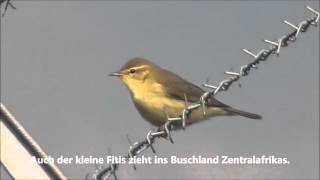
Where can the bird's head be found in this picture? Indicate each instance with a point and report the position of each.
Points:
(136, 71)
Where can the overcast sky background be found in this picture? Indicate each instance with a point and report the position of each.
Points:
(55, 58)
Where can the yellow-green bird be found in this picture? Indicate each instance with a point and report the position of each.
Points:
(158, 93)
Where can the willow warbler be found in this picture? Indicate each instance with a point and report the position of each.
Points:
(157, 92)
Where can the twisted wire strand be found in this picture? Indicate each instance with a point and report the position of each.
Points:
(8, 3)
(138, 147)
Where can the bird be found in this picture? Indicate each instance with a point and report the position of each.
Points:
(158, 93)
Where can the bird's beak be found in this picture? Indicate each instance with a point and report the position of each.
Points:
(115, 74)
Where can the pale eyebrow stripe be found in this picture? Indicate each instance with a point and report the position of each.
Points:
(140, 67)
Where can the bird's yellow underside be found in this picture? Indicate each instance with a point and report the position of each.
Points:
(149, 99)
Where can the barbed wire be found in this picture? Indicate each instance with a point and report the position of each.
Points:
(164, 131)
(8, 3)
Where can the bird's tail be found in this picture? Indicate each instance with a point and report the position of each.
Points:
(243, 113)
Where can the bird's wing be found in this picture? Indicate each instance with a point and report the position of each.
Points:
(177, 88)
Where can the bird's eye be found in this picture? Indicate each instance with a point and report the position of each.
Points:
(132, 71)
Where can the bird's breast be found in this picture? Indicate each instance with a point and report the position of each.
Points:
(153, 104)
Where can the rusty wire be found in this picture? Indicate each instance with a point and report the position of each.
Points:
(138, 147)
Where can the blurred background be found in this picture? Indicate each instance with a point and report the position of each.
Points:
(55, 57)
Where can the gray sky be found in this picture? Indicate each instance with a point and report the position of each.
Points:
(55, 58)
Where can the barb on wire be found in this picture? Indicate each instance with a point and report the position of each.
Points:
(8, 3)
(164, 131)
